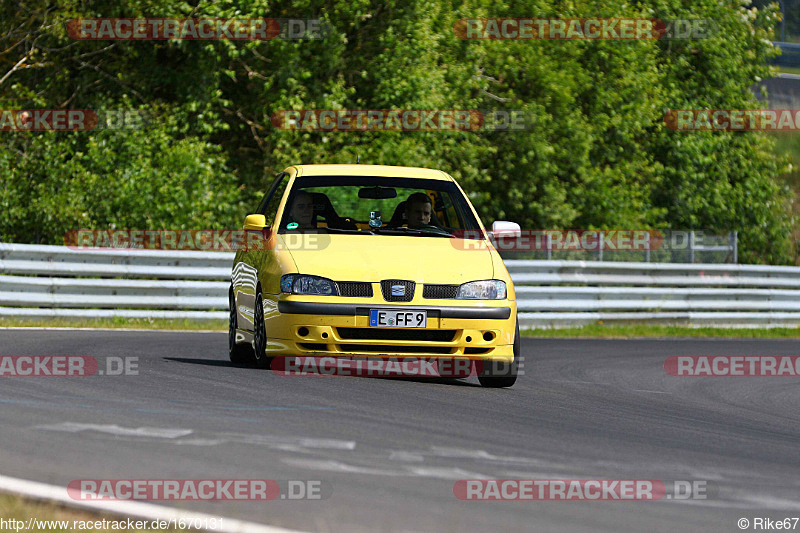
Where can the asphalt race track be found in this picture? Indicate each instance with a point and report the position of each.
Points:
(388, 451)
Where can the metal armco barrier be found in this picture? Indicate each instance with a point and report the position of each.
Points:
(574, 293)
(58, 282)
(54, 281)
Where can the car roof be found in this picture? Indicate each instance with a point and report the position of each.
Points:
(369, 170)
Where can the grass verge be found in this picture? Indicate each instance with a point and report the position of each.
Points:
(112, 323)
(13, 507)
(592, 330)
(632, 331)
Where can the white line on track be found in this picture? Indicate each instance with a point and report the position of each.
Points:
(45, 328)
(147, 511)
(113, 429)
(580, 382)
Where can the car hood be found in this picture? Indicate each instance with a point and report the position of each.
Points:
(377, 257)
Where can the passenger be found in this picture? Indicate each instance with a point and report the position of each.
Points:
(419, 209)
(302, 211)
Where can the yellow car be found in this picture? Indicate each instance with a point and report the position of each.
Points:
(372, 261)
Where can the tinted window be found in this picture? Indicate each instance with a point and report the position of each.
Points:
(271, 202)
(365, 204)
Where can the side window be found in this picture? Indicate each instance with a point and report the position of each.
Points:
(269, 206)
(450, 212)
(262, 204)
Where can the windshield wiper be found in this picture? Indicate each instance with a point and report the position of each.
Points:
(428, 232)
(323, 229)
(343, 230)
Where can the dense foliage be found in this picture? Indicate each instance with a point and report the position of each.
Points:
(790, 22)
(598, 154)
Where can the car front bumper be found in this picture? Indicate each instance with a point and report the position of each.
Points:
(298, 327)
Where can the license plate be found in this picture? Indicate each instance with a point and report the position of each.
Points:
(384, 318)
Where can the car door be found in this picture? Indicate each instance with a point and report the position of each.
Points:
(251, 262)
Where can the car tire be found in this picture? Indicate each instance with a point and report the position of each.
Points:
(238, 353)
(497, 374)
(260, 333)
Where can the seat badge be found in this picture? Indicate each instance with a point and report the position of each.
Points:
(398, 290)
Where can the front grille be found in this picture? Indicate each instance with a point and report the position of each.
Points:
(477, 351)
(407, 290)
(434, 335)
(357, 289)
(317, 347)
(439, 291)
(356, 348)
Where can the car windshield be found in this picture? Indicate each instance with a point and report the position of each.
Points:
(378, 206)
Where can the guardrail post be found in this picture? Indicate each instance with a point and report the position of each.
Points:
(691, 246)
(647, 252)
(549, 241)
(733, 237)
(783, 20)
(600, 248)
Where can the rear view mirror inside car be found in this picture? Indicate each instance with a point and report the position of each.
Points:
(377, 193)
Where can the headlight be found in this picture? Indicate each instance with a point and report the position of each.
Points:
(490, 289)
(303, 284)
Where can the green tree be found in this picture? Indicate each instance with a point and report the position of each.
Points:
(598, 154)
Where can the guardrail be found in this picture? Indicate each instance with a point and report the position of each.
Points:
(790, 54)
(54, 281)
(573, 293)
(38, 281)
(667, 246)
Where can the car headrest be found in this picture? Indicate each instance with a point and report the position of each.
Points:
(399, 216)
(322, 205)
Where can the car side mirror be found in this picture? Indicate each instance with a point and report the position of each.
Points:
(506, 229)
(258, 223)
(255, 222)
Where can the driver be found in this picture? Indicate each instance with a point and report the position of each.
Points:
(302, 211)
(419, 209)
